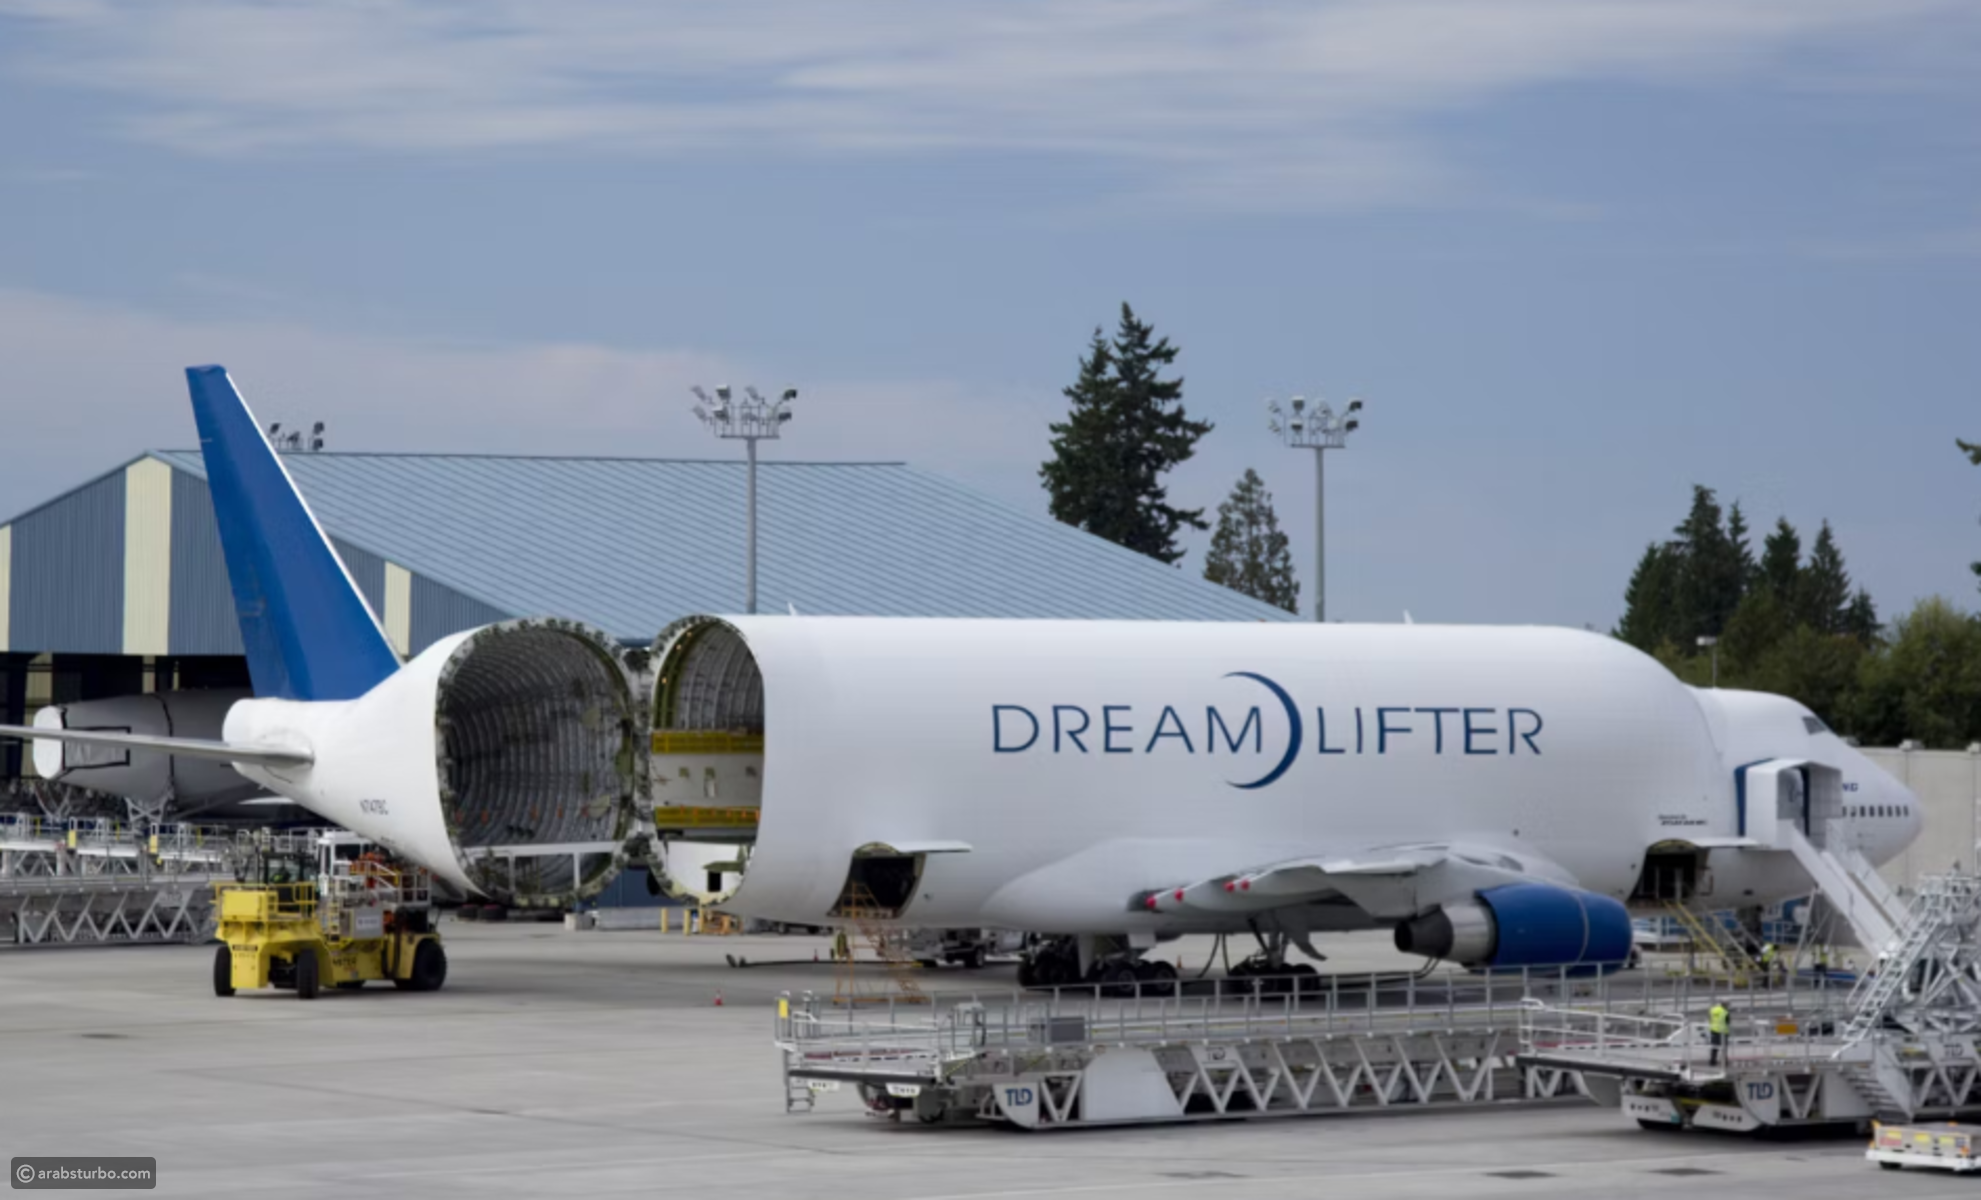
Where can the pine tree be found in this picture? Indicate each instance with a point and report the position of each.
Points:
(1781, 561)
(1860, 619)
(1711, 577)
(1125, 431)
(1823, 591)
(1648, 616)
(1248, 551)
(1743, 553)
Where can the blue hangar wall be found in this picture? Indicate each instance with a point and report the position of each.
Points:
(119, 584)
(130, 563)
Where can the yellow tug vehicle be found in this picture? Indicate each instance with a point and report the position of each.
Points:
(308, 921)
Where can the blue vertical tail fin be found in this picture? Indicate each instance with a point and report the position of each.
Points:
(308, 633)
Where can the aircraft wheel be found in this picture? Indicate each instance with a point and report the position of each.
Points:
(1116, 978)
(223, 971)
(1303, 979)
(1158, 977)
(1028, 974)
(307, 981)
(429, 967)
(1057, 969)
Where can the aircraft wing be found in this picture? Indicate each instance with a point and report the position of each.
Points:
(267, 756)
(1385, 881)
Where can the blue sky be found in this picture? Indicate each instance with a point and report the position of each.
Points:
(1576, 256)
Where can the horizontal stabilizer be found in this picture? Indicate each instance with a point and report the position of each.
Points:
(264, 756)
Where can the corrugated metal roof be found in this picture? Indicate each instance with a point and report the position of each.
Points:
(631, 544)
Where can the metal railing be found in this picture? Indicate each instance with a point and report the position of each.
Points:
(1327, 1006)
(266, 903)
(105, 832)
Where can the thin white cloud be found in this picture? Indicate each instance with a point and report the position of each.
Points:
(1307, 101)
(90, 385)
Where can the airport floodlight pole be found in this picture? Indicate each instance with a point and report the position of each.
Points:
(752, 419)
(1315, 427)
(1713, 644)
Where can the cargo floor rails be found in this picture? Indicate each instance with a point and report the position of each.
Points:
(1073, 1058)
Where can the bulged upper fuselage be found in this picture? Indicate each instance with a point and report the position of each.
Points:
(1049, 772)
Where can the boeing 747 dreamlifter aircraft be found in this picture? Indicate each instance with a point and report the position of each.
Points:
(1496, 795)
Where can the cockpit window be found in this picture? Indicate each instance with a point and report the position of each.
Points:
(1814, 725)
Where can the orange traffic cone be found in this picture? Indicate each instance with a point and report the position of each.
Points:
(718, 998)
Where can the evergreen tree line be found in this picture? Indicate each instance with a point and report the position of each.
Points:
(1793, 625)
(1124, 430)
(1785, 622)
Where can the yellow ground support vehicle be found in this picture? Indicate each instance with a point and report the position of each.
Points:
(339, 923)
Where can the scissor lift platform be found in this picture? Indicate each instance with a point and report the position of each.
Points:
(1075, 1058)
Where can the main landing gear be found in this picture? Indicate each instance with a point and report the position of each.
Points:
(1268, 973)
(1055, 962)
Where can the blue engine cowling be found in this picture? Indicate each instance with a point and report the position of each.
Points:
(1523, 925)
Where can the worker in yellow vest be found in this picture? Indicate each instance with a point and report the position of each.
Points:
(1769, 961)
(1718, 1023)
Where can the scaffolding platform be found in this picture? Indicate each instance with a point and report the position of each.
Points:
(1775, 1070)
(1221, 1051)
(1903, 1044)
(96, 881)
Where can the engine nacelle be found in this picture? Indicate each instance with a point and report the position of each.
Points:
(195, 785)
(510, 759)
(1523, 925)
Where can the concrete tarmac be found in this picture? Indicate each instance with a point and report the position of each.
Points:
(596, 1064)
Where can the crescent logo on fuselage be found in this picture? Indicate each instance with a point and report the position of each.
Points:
(1292, 724)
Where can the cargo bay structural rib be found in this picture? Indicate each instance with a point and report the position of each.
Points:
(1497, 795)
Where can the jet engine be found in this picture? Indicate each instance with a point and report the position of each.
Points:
(1523, 925)
(509, 759)
(192, 786)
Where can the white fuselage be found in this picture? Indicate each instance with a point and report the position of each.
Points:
(1083, 763)
(1052, 772)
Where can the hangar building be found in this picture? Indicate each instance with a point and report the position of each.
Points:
(119, 586)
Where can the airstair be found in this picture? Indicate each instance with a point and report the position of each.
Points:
(1708, 933)
(865, 915)
(1852, 886)
(1899, 1044)
(1930, 980)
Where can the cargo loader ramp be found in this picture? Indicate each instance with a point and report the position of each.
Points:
(96, 881)
(1899, 1045)
(1221, 1051)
